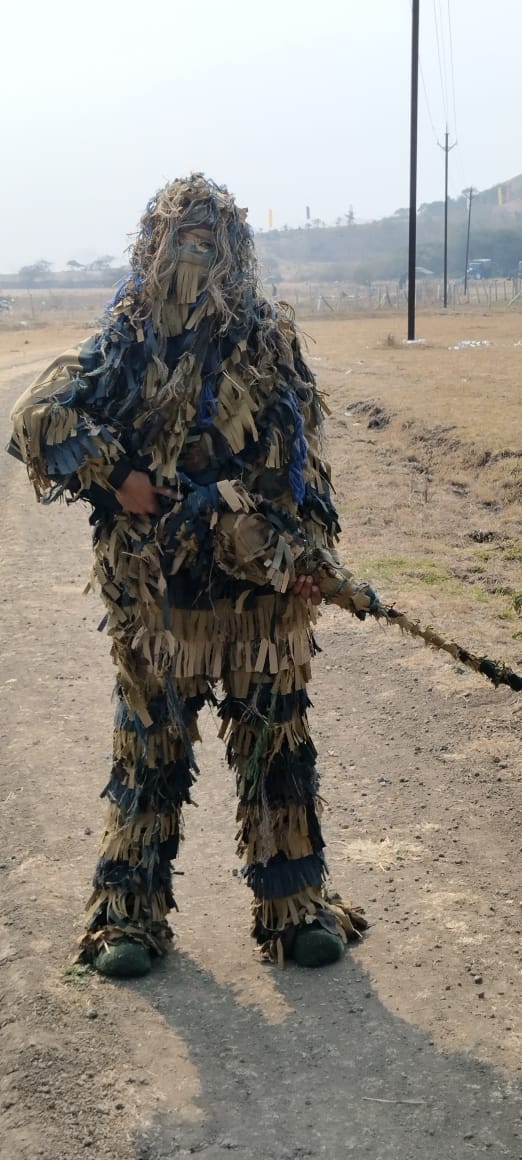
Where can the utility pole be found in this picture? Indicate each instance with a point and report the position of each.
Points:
(446, 147)
(412, 243)
(469, 194)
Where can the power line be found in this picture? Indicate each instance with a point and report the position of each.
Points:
(443, 74)
(444, 56)
(452, 71)
(433, 129)
(439, 55)
(425, 91)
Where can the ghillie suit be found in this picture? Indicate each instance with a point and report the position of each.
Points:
(198, 381)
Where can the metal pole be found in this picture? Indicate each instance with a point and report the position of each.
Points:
(446, 149)
(446, 152)
(470, 199)
(412, 243)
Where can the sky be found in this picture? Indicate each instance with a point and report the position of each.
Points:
(290, 103)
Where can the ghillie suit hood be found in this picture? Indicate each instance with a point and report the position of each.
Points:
(172, 269)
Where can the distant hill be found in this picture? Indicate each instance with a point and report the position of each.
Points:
(354, 251)
(508, 194)
(375, 250)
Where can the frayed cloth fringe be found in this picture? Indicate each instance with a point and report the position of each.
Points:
(282, 877)
(273, 638)
(147, 832)
(289, 829)
(288, 734)
(107, 907)
(276, 920)
(157, 938)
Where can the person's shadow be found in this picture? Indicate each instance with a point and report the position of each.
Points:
(341, 1077)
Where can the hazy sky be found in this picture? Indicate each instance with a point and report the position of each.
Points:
(289, 102)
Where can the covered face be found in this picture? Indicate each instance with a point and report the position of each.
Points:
(194, 254)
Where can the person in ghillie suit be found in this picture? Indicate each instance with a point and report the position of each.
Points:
(192, 425)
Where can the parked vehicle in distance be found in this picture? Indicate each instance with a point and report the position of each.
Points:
(480, 268)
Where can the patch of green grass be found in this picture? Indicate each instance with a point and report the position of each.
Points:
(381, 567)
(432, 575)
(479, 595)
(513, 551)
(484, 553)
(406, 571)
(78, 974)
(406, 574)
(74, 970)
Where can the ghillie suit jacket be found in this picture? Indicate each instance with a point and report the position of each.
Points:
(233, 424)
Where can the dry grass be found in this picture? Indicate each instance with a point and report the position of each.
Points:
(427, 459)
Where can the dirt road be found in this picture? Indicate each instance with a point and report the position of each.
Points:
(409, 1048)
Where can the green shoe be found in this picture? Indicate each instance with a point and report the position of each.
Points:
(316, 947)
(125, 959)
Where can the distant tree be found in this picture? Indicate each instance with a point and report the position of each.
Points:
(350, 216)
(430, 255)
(74, 265)
(37, 272)
(436, 207)
(102, 263)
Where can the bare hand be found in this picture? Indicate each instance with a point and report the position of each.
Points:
(307, 589)
(137, 494)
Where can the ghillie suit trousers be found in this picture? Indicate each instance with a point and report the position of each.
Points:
(259, 648)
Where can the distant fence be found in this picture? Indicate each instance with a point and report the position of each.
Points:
(44, 306)
(344, 299)
(40, 306)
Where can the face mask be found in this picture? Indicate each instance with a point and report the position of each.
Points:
(192, 270)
